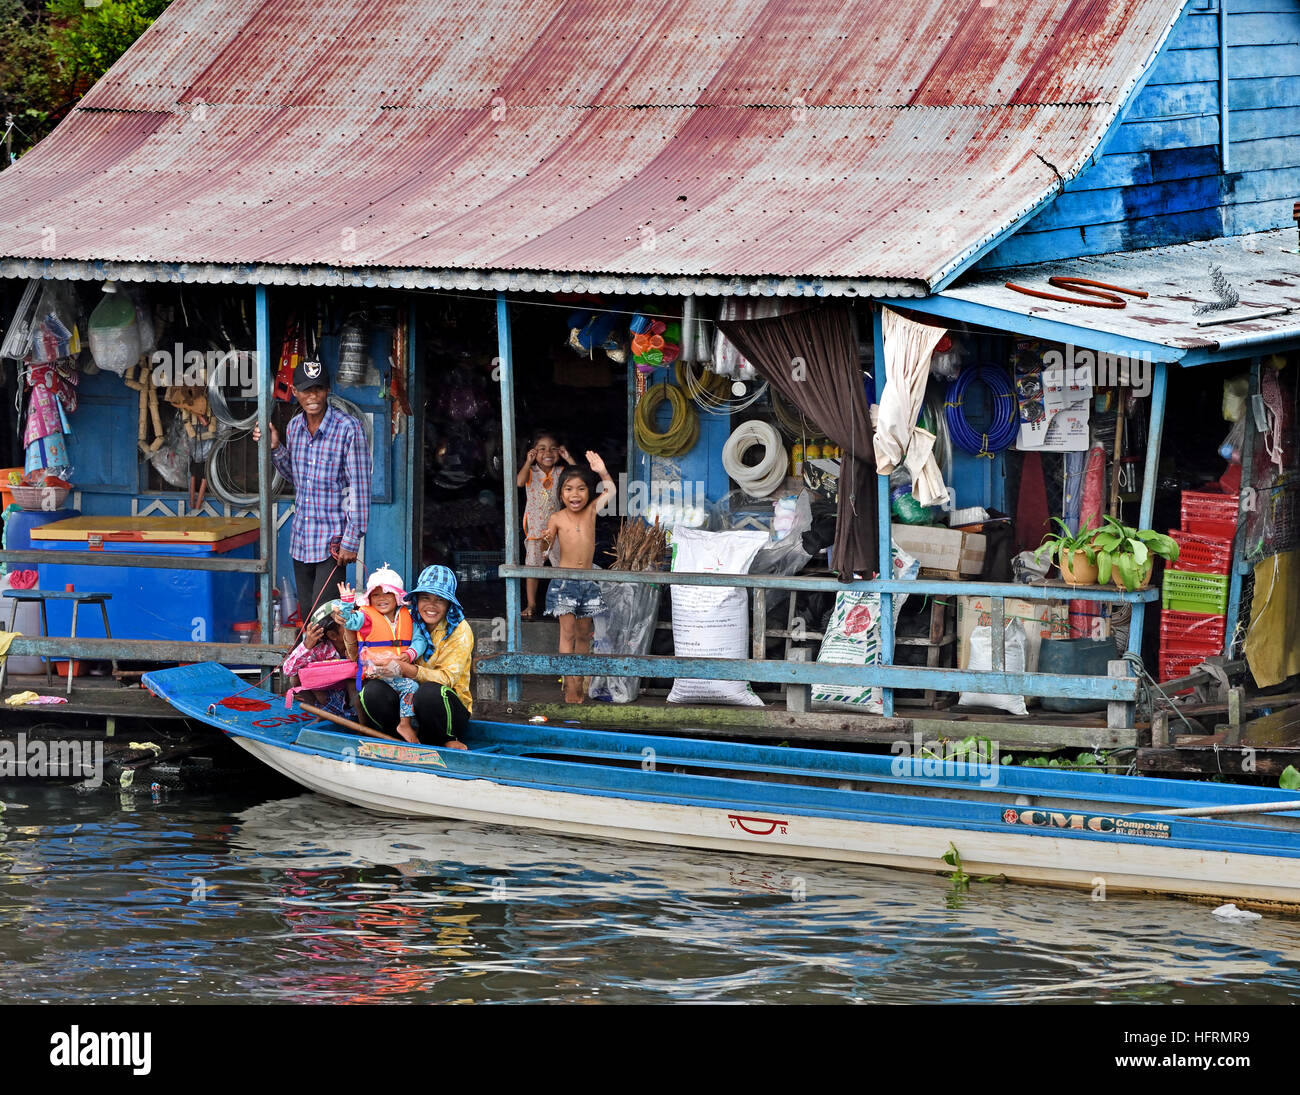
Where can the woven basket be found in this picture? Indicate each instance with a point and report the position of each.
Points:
(46, 499)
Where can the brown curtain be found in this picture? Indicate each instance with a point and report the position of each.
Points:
(810, 358)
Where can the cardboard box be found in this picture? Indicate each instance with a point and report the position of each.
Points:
(941, 548)
(1040, 619)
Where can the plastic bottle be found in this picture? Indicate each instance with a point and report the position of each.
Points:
(796, 459)
(812, 452)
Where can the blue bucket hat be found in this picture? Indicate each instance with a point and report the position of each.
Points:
(440, 582)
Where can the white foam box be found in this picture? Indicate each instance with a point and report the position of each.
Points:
(1040, 619)
(941, 548)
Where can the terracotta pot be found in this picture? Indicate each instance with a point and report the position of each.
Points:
(1076, 569)
(1145, 580)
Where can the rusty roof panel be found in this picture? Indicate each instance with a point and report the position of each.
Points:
(748, 138)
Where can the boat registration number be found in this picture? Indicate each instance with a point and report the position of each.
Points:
(403, 754)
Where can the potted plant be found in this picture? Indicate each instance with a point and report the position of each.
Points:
(1128, 554)
(1073, 551)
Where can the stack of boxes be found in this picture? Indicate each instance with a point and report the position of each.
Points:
(1194, 596)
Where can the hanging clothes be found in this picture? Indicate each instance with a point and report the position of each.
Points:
(908, 346)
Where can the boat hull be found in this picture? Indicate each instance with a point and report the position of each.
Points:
(1103, 867)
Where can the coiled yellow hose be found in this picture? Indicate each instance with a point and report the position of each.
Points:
(682, 432)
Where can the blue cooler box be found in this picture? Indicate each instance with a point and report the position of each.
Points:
(178, 605)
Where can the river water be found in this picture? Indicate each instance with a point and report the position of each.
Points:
(173, 897)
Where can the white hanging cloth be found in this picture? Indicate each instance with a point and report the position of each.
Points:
(908, 347)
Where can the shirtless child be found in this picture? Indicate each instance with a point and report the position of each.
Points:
(573, 528)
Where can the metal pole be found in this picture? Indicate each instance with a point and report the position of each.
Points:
(414, 441)
(265, 515)
(509, 450)
(882, 504)
(1237, 567)
(1146, 509)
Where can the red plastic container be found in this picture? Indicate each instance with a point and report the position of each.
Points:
(1191, 632)
(1201, 553)
(1210, 514)
(1173, 666)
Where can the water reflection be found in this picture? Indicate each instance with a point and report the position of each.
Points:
(304, 900)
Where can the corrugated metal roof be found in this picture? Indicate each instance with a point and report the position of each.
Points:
(865, 144)
(1264, 269)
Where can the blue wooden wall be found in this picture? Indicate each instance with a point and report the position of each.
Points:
(108, 472)
(1159, 181)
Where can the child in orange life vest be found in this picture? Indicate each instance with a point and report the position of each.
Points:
(576, 600)
(537, 477)
(383, 629)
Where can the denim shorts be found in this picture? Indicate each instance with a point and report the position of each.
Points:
(573, 597)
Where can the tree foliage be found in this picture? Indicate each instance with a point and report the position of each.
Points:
(52, 51)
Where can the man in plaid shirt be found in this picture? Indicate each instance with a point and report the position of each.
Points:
(326, 458)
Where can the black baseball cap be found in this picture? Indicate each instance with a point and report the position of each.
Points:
(310, 374)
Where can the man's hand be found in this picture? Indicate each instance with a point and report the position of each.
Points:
(343, 555)
(275, 434)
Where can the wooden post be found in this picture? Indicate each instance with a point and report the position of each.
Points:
(998, 622)
(797, 695)
(1120, 715)
(1160, 730)
(1236, 704)
(486, 685)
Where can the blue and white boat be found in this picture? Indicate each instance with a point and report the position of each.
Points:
(1109, 833)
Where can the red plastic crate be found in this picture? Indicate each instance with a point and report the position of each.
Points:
(1173, 666)
(1210, 514)
(1201, 553)
(1191, 632)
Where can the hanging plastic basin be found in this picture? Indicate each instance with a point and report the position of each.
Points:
(1079, 658)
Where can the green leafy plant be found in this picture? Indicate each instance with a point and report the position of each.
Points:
(1290, 779)
(1060, 546)
(1084, 762)
(1128, 552)
(960, 879)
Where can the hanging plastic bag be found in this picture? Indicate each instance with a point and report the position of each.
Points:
(53, 333)
(172, 460)
(627, 626)
(114, 332)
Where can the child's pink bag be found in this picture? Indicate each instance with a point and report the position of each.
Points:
(321, 675)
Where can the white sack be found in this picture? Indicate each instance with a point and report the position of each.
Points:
(1013, 661)
(712, 621)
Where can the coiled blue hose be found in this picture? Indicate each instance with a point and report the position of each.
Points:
(1005, 420)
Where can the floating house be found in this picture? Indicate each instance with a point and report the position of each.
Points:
(425, 196)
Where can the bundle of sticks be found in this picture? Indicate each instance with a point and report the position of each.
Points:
(640, 546)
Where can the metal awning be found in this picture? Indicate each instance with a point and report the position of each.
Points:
(868, 148)
(1262, 268)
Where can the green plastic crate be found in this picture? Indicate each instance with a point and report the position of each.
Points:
(1188, 591)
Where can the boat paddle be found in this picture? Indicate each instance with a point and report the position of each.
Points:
(355, 727)
(1237, 808)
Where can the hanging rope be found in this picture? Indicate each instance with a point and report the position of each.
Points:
(1001, 430)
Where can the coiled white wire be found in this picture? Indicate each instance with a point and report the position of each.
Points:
(769, 473)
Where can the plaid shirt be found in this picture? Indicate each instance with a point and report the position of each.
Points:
(330, 472)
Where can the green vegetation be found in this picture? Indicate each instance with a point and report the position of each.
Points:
(52, 52)
(1129, 552)
(1290, 779)
(1084, 762)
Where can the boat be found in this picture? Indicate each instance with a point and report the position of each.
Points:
(1099, 832)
